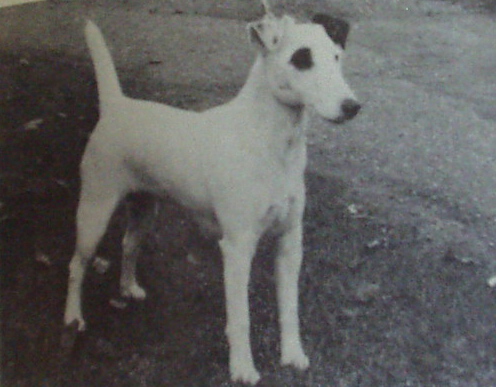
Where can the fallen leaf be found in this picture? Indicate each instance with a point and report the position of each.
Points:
(356, 211)
(33, 124)
(118, 304)
(43, 258)
(451, 256)
(376, 244)
(192, 259)
(491, 282)
(366, 292)
(101, 265)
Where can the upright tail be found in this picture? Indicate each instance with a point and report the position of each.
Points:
(109, 88)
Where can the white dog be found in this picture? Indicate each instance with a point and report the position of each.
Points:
(238, 166)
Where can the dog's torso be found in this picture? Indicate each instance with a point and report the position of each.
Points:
(203, 160)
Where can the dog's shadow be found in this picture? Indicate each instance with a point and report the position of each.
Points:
(181, 323)
(182, 272)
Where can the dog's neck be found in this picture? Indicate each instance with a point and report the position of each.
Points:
(266, 106)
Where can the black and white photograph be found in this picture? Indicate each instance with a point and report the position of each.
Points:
(271, 193)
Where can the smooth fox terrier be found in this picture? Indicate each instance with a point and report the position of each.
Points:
(239, 167)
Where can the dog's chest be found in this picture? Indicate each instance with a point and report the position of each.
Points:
(278, 215)
(287, 189)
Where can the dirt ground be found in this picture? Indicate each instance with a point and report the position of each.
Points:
(399, 227)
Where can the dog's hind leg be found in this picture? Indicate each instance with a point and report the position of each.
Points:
(141, 212)
(238, 250)
(288, 265)
(94, 212)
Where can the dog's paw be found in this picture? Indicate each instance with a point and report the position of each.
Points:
(296, 358)
(74, 321)
(133, 291)
(244, 372)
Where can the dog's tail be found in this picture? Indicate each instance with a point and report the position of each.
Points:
(109, 87)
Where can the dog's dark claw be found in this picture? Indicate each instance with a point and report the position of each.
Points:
(68, 338)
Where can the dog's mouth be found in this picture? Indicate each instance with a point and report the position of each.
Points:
(342, 118)
(349, 110)
(338, 121)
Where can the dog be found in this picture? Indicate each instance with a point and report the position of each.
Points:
(239, 167)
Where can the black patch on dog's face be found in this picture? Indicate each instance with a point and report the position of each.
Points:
(302, 59)
(336, 28)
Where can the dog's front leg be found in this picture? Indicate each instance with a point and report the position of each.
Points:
(288, 265)
(238, 251)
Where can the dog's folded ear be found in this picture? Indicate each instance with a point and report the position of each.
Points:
(267, 33)
(336, 28)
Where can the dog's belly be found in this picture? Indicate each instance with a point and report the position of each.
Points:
(276, 221)
(194, 201)
(179, 187)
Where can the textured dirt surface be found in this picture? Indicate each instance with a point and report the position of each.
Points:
(399, 228)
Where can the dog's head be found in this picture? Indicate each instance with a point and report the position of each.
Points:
(303, 63)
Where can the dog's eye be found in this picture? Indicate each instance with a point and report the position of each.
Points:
(336, 57)
(302, 59)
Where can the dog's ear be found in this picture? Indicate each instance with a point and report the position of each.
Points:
(267, 33)
(336, 28)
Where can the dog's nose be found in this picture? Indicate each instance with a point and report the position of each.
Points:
(350, 108)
